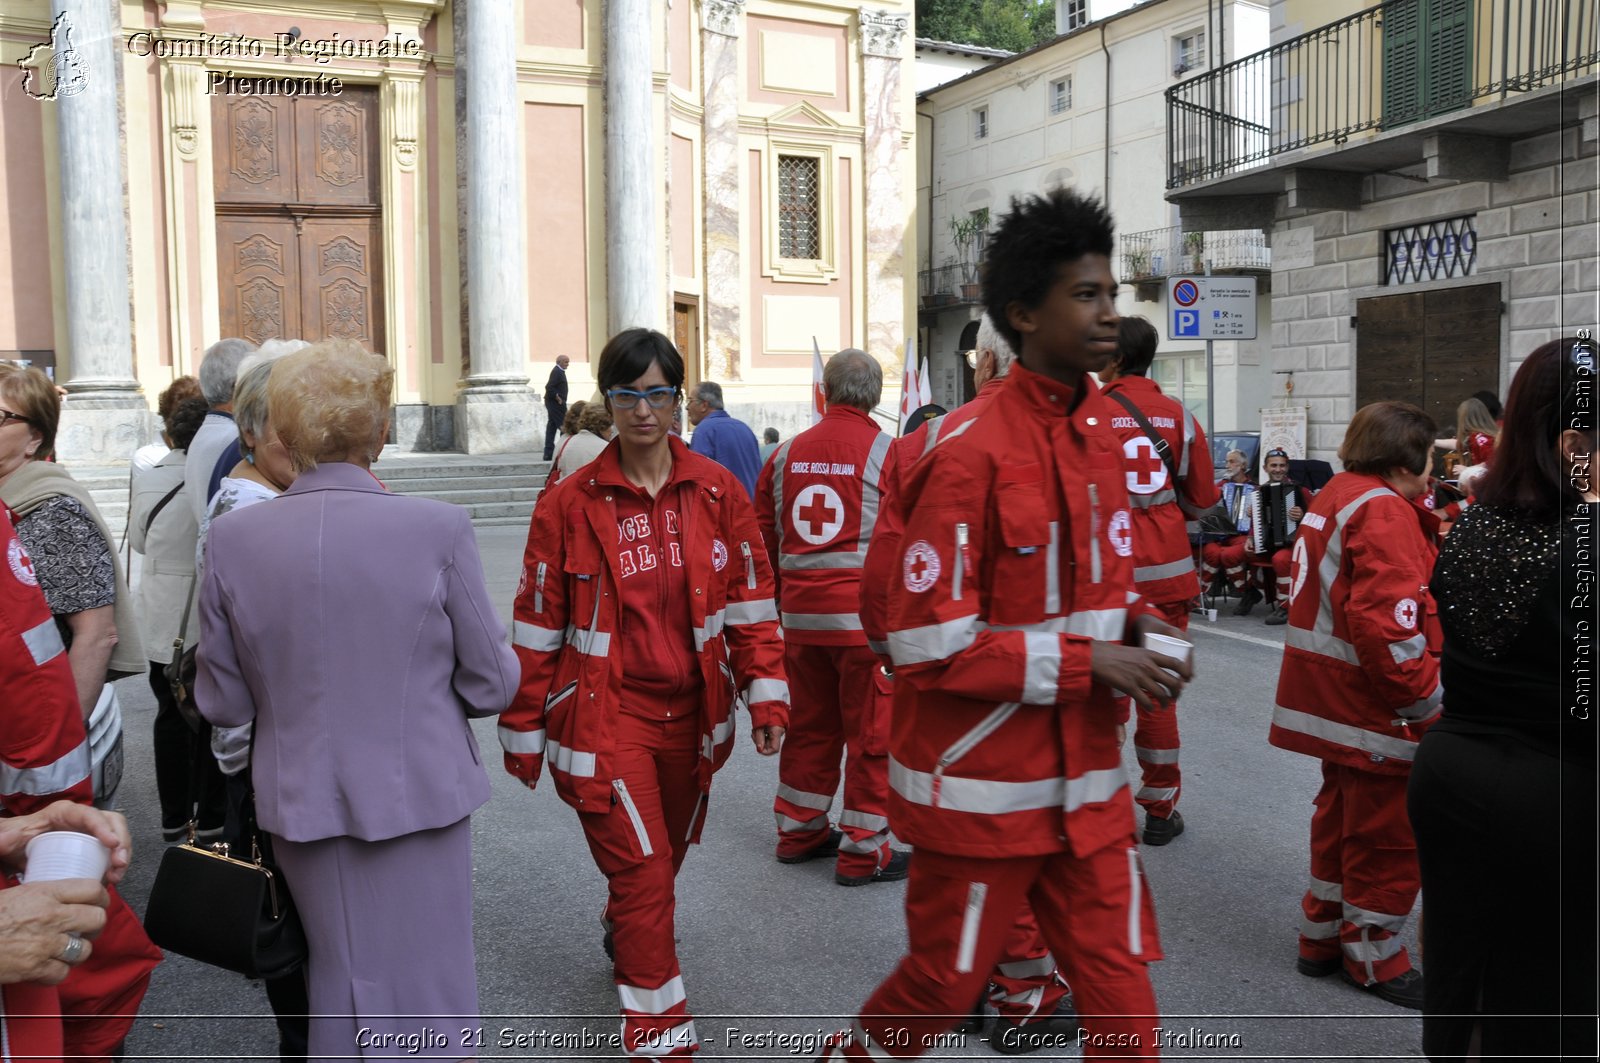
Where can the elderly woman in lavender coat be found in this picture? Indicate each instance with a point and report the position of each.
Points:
(354, 628)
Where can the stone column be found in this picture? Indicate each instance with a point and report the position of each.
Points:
(882, 42)
(497, 412)
(105, 418)
(724, 273)
(633, 253)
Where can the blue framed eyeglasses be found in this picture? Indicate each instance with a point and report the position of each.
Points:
(627, 398)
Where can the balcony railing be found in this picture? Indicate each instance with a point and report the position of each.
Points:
(944, 287)
(1170, 252)
(1378, 69)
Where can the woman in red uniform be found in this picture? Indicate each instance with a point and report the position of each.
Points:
(657, 548)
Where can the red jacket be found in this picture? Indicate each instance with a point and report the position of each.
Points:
(1360, 677)
(818, 501)
(1017, 553)
(1163, 558)
(566, 614)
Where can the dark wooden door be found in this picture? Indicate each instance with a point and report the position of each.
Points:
(686, 334)
(299, 220)
(1433, 349)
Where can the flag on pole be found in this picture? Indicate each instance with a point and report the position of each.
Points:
(910, 386)
(819, 395)
(924, 379)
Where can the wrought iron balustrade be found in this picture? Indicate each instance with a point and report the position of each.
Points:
(1170, 252)
(1379, 69)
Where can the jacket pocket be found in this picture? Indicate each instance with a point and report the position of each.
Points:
(582, 568)
(987, 726)
(878, 712)
(1028, 556)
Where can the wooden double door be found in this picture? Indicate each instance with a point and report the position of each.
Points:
(299, 218)
(1430, 348)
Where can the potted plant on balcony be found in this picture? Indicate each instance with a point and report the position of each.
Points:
(965, 234)
(1194, 248)
(1139, 263)
(936, 288)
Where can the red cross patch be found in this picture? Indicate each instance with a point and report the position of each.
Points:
(21, 564)
(1146, 472)
(719, 554)
(1405, 613)
(1121, 532)
(921, 566)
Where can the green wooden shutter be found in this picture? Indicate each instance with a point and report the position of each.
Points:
(1402, 62)
(1447, 51)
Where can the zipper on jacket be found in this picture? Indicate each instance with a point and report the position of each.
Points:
(963, 561)
(633, 814)
(749, 564)
(965, 744)
(538, 586)
(1094, 533)
(1135, 923)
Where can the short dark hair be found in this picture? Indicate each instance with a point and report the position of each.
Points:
(184, 421)
(1033, 241)
(1136, 346)
(1385, 434)
(1491, 402)
(1544, 401)
(769, 435)
(627, 356)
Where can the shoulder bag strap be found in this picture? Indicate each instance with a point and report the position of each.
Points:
(1162, 447)
(149, 522)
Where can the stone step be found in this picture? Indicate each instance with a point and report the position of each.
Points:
(437, 486)
(505, 493)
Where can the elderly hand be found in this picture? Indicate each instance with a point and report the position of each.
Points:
(109, 827)
(767, 739)
(42, 925)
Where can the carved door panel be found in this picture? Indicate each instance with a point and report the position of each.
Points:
(254, 149)
(341, 280)
(686, 334)
(259, 270)
(335, 138)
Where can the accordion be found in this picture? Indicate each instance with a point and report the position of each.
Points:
(1230, 516)
(1271, 527)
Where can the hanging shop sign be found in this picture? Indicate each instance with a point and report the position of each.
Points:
(1433, 251)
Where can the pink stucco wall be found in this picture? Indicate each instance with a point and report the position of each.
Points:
(25, 297)
(558, 211)
(685, 250)
(553, 23)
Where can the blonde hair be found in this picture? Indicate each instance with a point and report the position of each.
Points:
(250, 412)
(1473, 416)
(29, 392)
(328, 401)
(597, 419)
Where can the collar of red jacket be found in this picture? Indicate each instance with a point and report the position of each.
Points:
(849, 411)
(1051, 398)
(687, 467)
(1134, 383)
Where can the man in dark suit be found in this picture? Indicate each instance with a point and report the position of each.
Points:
(555, 404)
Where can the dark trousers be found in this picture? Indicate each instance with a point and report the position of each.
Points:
(555, 415)
(1506, 842)
(187, 775)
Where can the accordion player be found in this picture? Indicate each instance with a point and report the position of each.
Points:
(1271, 526)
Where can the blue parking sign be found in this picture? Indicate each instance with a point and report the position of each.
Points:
(1186, 323)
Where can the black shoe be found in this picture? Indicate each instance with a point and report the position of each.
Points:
(973, 1023)
(608, 944)
(898, 867)
(1252, 595)
(1060, 1030)
(1279, 615)
(827, 847)
(1318, 968)
(1403, 990)
(1158, 831)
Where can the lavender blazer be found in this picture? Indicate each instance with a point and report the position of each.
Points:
(354, 627)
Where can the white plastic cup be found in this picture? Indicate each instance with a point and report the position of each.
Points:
(60, 854)
(1168, 646)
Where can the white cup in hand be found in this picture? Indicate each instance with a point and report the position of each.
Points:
(60, 854)
(1168, 646)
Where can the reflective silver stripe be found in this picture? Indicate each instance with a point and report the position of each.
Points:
(1343, 734)
(652, 1001)
(639, 830)
(1094, 787)
(1155, 756)
(534, 637)
(1043, 967)
(804, 798)
(880, 648)
(523, 742)
(1041, 680)
(868, 845)
(871, 495)
(44, 642)
(1409, 649)
(1156, 793)
(1331, 892)
(1368, 950)
(864, 820)
(1094, 533)
(766, 690)
(538, 586)
(788, 823)
(1135, 924)
(981, 796)
(694, 817)
(710, 630)
(1320, 931)
(968, 742)
(1377, 920)
(959, 430)
(822, 621)
(1052, 570)
(971, 920)
(589, 641)
(756, 611)
(1166, 494)
(812, 562)
(1183, 567)
(1324, 645)
(679, 1038)
(60, 775)
(570, 761)
(918, 645)
(1327, 572)
(1426, 708)
(1190, 429)
(1106, 625)
(780, 461)
(1026, 1002)
(935, 426)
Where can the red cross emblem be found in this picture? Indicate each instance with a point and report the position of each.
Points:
(1146, 472)
(1405, 614)
(21, 564)
(818, 514)
(1121, 532)
(921, 567)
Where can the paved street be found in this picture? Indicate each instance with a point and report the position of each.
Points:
(767, 947)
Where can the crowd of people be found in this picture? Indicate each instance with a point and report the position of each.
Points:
(947, 633)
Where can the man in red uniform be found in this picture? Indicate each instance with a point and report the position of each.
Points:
(1007, 625)
(1277, 465)
(1359, 686)
(817, 502)
(1169, 481)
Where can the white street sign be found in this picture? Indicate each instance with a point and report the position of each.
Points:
(1211, 308)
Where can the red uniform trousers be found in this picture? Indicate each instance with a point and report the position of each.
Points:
(839, 702)
(1094, 911)
(1226, 557)
(1155, 738)
(1364, 876)
(639, 846)
(1026, 986)
(1280, 568)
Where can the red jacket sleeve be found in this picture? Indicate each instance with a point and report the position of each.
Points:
(1387, 607)
(883, 553)
(538, 632)
(766, 516)
(755, 642)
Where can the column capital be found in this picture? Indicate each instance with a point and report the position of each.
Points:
(883, 32)
(721, 16)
